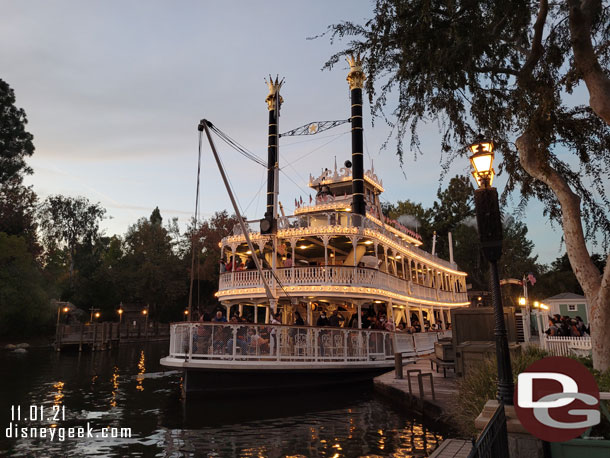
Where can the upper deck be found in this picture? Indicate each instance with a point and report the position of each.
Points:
(341, 255)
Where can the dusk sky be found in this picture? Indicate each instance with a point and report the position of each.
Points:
(114, 91)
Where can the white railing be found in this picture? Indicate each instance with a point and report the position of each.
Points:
(564, 346)
(338, 276)
(418, 344)
(264, 342)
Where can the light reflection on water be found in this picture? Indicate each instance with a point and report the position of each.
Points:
(128, 388)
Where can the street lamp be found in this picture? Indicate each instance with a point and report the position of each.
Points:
(186, 314)
(490, 233)
(481, 161)
(522, 301)
(145, 313)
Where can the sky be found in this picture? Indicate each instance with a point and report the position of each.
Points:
(114, 91)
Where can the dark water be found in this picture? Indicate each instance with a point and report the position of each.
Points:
(127, 388)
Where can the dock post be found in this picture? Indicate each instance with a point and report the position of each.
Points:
(398, 365)
(94, 336)
(80, 343)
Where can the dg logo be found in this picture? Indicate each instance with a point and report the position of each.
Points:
(557, 399)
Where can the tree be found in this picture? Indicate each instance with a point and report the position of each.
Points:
(15, 142)
(151, 272)
(206, 241)
(506, 69)
(70, 221)
(24, 303)
(17, 202)
(412, 215)
(454, 206)
(18, 212)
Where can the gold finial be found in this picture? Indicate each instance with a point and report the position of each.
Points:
(356, 76)
(274, 88)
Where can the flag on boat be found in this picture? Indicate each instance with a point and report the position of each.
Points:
(301, 201)
(531, 278)
(296, 204)
(310, 199)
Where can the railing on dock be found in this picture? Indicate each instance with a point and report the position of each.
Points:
(493, 440)
(103, 335)
(246, 341)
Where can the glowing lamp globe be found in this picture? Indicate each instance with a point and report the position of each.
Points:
(482, 162)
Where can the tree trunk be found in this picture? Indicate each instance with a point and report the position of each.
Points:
(71, 267)
(596, 288)
(581, 16)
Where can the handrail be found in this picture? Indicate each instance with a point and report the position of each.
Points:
(203, 341)
(194, 341)
(339, 276)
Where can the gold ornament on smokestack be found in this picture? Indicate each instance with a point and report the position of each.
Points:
(356, 76)
(274, 88)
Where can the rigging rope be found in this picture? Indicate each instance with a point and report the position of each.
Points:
(190, 304)
(237, 147)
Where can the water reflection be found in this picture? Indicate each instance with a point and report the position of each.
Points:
(115, 386)
(141, 371)
(107, 389)
(59, 395)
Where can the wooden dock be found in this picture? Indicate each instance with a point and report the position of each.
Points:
(435, 408)
(102, 336)
(445, 389)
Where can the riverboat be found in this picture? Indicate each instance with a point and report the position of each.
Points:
(338, 255)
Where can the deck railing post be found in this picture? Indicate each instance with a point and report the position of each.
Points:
(190, 337)
(398, 365)
(315, 343)
(234, 329)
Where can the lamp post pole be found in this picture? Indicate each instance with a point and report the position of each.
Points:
(489, 223)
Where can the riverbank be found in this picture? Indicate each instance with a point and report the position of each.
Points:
(32, 342)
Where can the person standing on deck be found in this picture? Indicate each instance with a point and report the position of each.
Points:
(335, 319)
(275, 320)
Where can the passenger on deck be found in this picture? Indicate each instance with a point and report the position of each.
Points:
(250, 264)
(335, 319)
(273, 334)
(219, 318)
(288, 260)
(298, 320)
(322, 320)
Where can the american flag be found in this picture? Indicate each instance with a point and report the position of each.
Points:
(531, 278)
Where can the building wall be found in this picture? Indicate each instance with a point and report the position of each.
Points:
(581, 311)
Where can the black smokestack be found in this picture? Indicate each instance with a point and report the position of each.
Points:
(274, 102)
(356, 79)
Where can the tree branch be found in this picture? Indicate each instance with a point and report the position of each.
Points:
(585, 270)
(537, 48)
(598, 83)
(502, 70)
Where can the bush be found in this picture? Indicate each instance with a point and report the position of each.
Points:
(480, 385)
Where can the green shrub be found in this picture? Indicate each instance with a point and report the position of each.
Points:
(480, 385)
